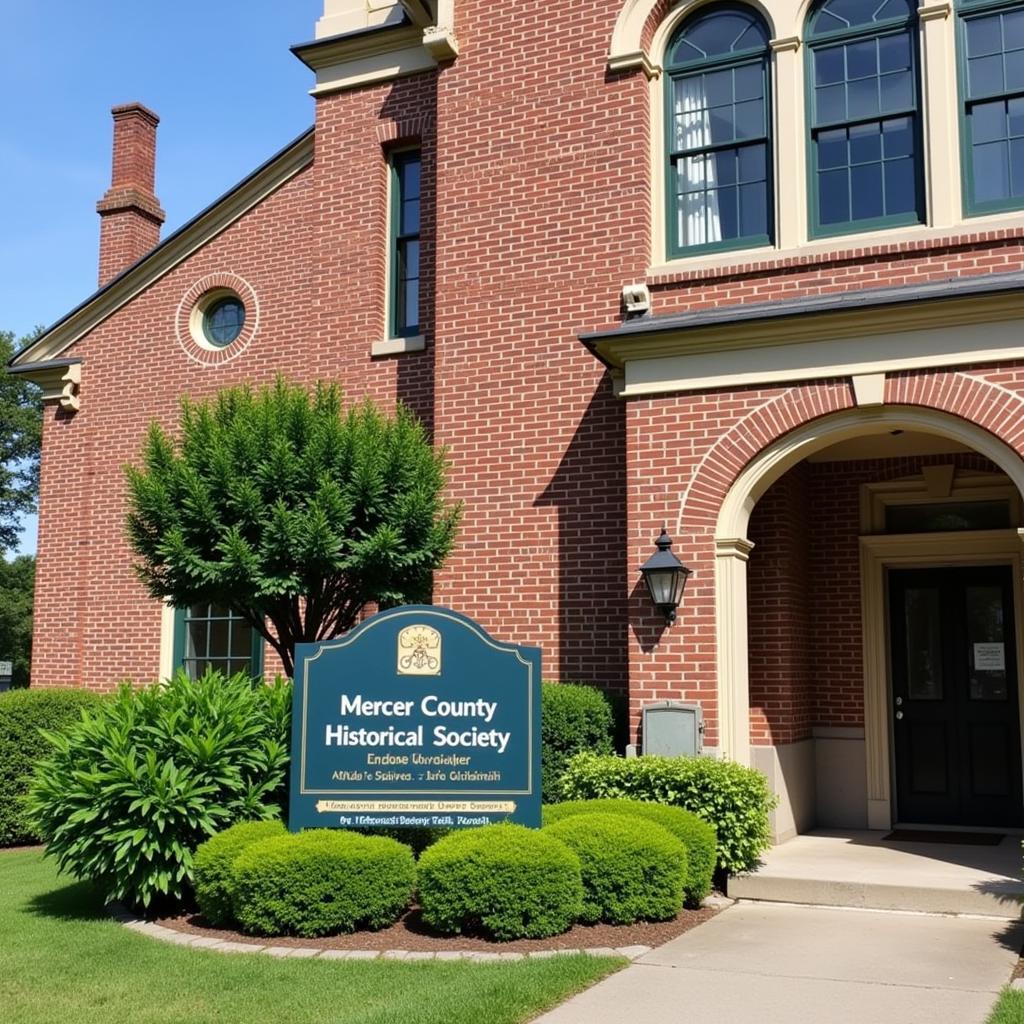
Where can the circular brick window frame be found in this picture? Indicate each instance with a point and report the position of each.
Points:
(189, 318)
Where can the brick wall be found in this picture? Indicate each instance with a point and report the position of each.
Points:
(785, 662)
(539, 159)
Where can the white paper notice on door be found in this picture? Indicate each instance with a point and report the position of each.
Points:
(989, 658)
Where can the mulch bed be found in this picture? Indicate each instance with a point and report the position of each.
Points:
(410, 933)
(22, 849)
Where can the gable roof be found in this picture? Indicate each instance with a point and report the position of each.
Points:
(194, 234)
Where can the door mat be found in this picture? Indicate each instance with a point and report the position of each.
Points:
(913, 835)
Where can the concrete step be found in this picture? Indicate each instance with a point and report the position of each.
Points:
(860, 869)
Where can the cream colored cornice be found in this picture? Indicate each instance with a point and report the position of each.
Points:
(631, 61)
(171, 252)
(619, 350)
(939, 10)
(383, 53)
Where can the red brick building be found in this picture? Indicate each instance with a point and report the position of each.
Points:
(814, 377)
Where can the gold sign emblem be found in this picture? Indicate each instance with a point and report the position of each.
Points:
(419, 651)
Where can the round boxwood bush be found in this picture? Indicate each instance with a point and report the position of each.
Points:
(573, 718)
(694, 833)
(507, 881)
(416, 837)
(23, 713)
(213, 868)
(321, 883)
(632, 870)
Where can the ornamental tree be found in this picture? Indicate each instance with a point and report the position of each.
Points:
(21, 424)
(291, 510)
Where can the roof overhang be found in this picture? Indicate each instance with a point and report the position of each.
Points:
(839, 334)
(38, 359)
(422, 38)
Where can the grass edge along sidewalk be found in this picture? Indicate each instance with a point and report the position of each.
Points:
(1009, 1009)
(62, 958)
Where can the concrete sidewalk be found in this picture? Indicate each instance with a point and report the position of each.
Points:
(767, 963)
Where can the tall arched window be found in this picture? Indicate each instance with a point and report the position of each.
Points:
(992, 93)
(865, 133)
(718, 142)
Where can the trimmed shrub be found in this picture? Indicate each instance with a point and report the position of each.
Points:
(321, 883)
(573, 718)
(632, 870)
(127, 794)
(416, 837)
(23, 713)
(507, 881)
(213, 870)
(734, 799)
(696, 835)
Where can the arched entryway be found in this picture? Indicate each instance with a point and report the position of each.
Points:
(793, 768)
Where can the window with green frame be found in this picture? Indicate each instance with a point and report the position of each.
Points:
(991, 71)
(718, 140)
(210, 636)
(405, 244)
(864, 116)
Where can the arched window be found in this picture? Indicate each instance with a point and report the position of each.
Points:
(992, 94)
(718, 142)
(865, 132)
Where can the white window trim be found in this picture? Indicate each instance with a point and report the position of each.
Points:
(940, 126)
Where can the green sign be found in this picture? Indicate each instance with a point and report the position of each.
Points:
(416, 717)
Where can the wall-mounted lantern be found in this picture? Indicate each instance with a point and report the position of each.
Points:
(665, 577)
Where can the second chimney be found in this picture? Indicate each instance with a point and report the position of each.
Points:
(130, 216)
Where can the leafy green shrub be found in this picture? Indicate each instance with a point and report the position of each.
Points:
(416, 837)
(129, 792)
(573, 718)
(23, 713)
(321, 883)
(734, 799)
(213, 873)
(632, 870)
(508, 881)
(696, 835)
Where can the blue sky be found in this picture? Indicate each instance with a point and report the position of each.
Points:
(219, 74)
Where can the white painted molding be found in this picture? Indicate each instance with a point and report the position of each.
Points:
(869, 388)
(846, 356)
(71, 379)
(731, 554)
(398, 346)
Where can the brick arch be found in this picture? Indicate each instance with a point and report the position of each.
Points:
(762, 426)
(783, 431)
(986, 404)
(980, 402)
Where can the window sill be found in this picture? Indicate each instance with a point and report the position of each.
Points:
(824, 250)
(398, 346)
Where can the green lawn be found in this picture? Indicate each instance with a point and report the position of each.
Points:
(1009, 1009)
(63, 962)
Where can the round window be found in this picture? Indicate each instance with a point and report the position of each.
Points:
(223, 321)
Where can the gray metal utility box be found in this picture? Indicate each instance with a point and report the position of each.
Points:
(672, 728)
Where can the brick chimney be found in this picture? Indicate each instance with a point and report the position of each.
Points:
(130, 216)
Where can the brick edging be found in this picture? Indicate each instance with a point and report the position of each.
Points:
(170, 935)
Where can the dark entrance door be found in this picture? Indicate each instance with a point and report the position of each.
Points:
(954, 674)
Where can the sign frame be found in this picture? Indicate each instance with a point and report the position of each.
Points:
(433, 650)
